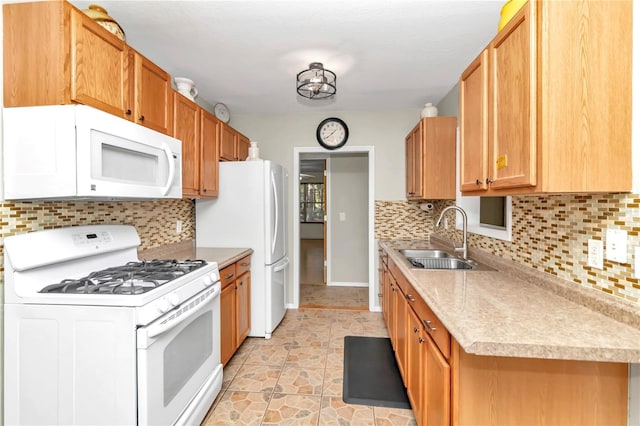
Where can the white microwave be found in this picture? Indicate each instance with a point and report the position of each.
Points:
(79, 152)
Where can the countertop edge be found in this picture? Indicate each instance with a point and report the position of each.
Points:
(586, 297)
(187, 249)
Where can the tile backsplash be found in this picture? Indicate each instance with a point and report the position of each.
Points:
(154, 220)
(550, 234)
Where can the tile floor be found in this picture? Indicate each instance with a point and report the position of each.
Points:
(295, 378)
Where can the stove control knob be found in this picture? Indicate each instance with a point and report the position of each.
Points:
(207, 280)
(173, 299)
(163, 305)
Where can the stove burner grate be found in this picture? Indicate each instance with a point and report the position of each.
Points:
(131, 278)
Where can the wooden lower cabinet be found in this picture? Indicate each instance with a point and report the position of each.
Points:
(447, 386)
(235, 307)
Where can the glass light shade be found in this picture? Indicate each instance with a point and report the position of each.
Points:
(316, 82)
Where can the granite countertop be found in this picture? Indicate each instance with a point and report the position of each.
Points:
(224, 256)
(517, 311)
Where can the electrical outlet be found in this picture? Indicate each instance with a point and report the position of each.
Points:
(178, 226)
(343, 216)
(594, 256)
(617, 245)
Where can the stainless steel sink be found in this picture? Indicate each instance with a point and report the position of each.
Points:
(441, 263)
(426, 253)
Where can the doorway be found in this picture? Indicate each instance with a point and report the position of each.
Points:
(333, 253)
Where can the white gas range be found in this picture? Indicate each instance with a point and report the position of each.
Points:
(95, 336)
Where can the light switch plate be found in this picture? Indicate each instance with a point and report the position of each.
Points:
(343, 216)
(595, 250)
(617, 245)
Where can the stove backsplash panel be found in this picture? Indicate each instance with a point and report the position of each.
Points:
(154, 220)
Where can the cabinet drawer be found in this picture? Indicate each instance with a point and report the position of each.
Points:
(243, 265)
(434, 327)
(228, 275)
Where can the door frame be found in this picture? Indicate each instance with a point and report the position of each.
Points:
(324, 154)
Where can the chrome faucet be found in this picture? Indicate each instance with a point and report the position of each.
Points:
(463, 249)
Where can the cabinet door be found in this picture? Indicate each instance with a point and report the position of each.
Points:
(186, 128)
(227, 137)
(243, 147)
(512, 116)
(209, 155)
(227, 323)
(400, 319)
(152, 95)
(415, 364)
(414, 161)
(437, 386)
(99, 66)
(243, 307)
(474, 131)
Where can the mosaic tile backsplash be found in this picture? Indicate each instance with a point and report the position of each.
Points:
(154, 220)
(550, 234)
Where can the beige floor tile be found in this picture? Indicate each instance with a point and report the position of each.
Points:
(335, 411)
(301, 381)
(332, 384)
(335, 359)
(229, 372)
(292, 410)
(307, 356)
(393, 417)
(267, 355)
(255, 378)
(239, 408)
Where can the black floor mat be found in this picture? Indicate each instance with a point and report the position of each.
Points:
(371, 375)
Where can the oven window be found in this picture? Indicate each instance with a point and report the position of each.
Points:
(186, 353)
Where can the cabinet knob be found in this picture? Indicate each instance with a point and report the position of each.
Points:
(489, 180)
(415, 329)
(410, 298)
(420, 340)
(478, 182)
(204, 189)
(127, 112)
(141, 118)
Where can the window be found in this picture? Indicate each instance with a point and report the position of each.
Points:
(311, 202)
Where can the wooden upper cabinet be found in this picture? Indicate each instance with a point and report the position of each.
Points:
(474, 130)
(54, 54)
(431, 159)
(209, 154)
(152, 89)
(243, 144)
(99, 66)
(227, 137)
(558, 108)
(186, 127)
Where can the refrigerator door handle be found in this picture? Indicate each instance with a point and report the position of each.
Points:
(275, 206)
(281, 267)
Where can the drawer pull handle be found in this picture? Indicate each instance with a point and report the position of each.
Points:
(379, 294)
(245, 264)
(427, 324)
(227, 277)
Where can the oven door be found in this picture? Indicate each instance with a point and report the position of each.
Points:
(179, 370)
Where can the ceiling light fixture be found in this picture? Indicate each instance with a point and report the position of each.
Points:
(316, 82)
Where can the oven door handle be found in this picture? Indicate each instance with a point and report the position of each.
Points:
(161, 327)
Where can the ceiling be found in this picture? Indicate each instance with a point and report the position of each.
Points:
(386, 54)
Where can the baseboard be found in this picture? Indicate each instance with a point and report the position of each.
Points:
(343, 284)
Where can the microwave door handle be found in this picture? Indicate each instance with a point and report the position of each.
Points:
(172, 168)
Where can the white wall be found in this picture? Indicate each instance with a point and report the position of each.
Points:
(349, 196)
(277, 135)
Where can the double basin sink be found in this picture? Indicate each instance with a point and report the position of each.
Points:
(441, 260)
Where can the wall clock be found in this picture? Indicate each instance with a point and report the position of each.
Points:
(332, 133)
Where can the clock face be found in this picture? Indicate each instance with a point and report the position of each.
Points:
(332, 133)
(222, 112)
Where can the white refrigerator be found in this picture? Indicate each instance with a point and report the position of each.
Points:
(251, 211)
